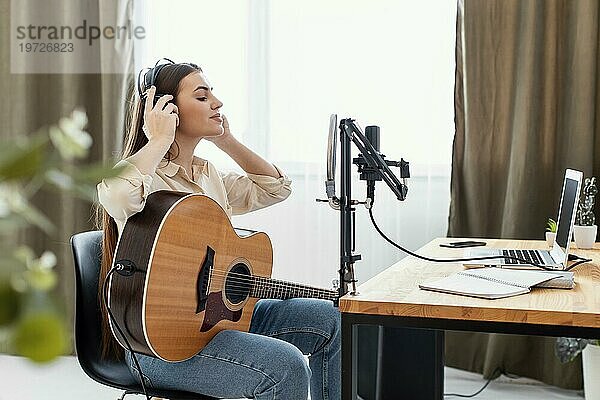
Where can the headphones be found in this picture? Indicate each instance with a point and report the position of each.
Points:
(146, 79)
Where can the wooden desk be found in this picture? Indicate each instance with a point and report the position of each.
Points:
(393, 298)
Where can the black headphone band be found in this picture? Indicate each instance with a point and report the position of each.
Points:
(149, 80)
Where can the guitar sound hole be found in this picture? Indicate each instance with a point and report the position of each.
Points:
(238, 283)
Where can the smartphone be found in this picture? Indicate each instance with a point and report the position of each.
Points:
(460, 245)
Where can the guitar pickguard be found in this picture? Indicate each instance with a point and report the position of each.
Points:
(217, 311)
(203, 279)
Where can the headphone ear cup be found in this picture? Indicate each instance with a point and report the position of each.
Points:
(157, 97)
(142, 83)
(154, 100)
(142, 97)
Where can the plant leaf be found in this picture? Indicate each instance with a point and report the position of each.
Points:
(22, 158)
(40, 336)
(94, 173)
(11, 223)
(81, 182)
(35, 217)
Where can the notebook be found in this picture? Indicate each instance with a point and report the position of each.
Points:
(497, 283)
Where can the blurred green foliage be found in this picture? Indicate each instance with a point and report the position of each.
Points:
(32, 320)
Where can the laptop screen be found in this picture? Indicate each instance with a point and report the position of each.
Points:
(567, 210)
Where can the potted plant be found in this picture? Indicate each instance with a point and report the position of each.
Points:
(32, 322)
(585, 228)
(550, 232)
(567, 349)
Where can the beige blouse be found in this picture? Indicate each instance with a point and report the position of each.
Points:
(125, 195)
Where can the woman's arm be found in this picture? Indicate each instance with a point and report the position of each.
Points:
(150, 155)
(248, 160)
(263, 185)
(125, 194)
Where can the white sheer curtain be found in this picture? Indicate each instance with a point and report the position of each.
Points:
(282, 67)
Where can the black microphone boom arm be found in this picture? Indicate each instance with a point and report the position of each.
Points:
(372, 167)
(375, 160)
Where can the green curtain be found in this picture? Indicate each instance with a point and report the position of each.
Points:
(527, 107)
(31, 101)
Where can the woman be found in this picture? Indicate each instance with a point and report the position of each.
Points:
(268, 361)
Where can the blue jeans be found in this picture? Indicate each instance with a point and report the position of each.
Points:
(266, 363)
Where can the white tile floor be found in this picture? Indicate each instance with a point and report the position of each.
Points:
(63, 379)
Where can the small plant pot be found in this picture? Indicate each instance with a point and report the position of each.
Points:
(591, 370)
(585, 236)
(550, 236)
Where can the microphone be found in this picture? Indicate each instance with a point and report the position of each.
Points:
(372, 164)
(372, 133)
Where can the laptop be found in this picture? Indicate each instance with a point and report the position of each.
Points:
(556, 258)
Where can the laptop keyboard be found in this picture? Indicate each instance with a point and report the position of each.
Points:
(528, 255)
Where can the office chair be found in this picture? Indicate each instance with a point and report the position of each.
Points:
(87, 250)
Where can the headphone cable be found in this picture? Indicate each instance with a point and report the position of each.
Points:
(105, 298)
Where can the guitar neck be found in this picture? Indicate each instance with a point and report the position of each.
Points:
(267, 288)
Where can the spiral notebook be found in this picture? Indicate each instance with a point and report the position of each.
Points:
(496, 283)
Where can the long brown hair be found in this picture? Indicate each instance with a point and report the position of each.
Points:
(167, 82)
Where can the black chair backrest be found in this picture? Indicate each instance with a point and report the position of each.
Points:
(87, 255)
(87, 252)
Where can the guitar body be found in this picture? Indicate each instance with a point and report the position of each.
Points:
(193, 277)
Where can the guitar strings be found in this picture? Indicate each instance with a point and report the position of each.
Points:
(243, 283)
(292, 294)
(253, 277)
(250, 279)
(239, 278)
(242, 288)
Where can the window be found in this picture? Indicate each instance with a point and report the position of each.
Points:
(282, 67)
(386, 63)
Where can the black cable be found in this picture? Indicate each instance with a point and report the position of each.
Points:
(511, 376)
(105, 298)
(498, 369)
(452, 260)
(581, 261)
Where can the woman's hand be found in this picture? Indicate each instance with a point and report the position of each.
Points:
(160, 121)
(250, 162)
(223, 139)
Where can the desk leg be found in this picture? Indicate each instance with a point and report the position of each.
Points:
(349, 357)
(410, 363)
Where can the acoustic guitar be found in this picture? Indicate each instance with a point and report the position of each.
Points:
(195, 275)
